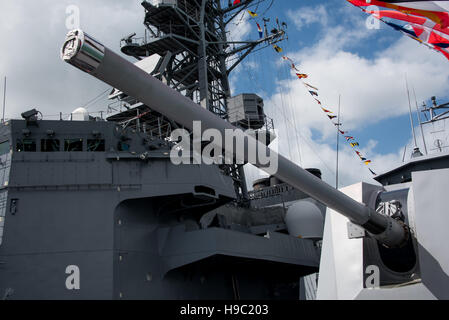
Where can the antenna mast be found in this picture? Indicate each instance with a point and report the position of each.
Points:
(435, 113)
(338, 140)
(196, 56)
(416, 153)
(420, 123)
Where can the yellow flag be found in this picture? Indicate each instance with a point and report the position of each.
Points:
(252, 14)
(277, 48)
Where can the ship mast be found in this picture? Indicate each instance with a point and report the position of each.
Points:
(196, 56)
(435, 113)
(191, 39)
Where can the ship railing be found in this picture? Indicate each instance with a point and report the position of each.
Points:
(118, 106)
(438, 147)
(153, 125)
(98, 115)
(154, 34)
(189, 7)
(133, 41)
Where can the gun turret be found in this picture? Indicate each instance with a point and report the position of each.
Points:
(89, 55)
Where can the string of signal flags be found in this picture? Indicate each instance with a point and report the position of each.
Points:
(314, 93)
(331, 115)
(251, 13)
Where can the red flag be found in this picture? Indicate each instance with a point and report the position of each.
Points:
(438, 42)
(260, 30)
(438, 39)
(236, 2)
(441, 18)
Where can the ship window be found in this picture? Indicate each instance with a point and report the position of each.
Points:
(26, 145)
(4, 148)
(96, 145)
(72, 145)
(50, 145)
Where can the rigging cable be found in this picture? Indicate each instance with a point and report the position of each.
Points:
(283, 107)
(287, 121)
(276, 106)
(291, 108)
(268, 8)
(92, 101)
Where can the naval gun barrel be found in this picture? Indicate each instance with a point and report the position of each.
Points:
(91, 56)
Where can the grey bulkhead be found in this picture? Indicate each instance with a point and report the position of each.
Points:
(127, 222)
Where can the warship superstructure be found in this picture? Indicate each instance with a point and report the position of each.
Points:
(412, 192)
(94, 208)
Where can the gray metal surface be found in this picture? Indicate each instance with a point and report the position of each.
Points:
(431, 219)
(403, 173)
(130, 224)
(246, 110)
(198, 245)
(361, 268)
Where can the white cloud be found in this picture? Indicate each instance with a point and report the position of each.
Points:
(32, 35)
(240, 27)
(371, 89)
(308, 15)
